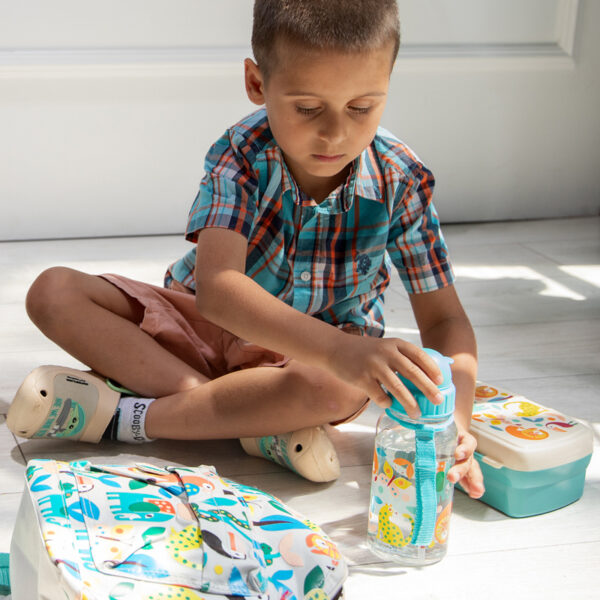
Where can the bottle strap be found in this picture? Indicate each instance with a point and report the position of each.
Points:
(425, 471)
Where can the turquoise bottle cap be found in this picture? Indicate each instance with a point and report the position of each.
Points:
(427, 408)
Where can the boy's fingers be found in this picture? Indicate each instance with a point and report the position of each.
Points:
(380, 398)
(466, 469)
(413, 372)
(463, 456)
(399, 391)
(420, 368)
(465, 448)
(420, 358)
(472, 482)
(458, 471)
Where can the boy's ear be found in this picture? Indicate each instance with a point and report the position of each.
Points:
(254, 82)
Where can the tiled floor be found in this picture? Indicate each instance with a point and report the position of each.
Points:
(532, 290)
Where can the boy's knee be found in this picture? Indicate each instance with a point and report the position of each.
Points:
(323, 394)
(50, 292)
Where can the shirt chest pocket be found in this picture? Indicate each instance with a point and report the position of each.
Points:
(357, 264)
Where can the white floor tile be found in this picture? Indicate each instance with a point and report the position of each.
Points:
(549, 340)
(553, 573)
(12, 469)
(507, 232)
(569, 252)
(52, 252)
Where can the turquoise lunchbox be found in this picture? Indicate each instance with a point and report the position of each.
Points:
(532, 457)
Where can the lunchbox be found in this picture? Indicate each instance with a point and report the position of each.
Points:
(533, 458)
(143, 532)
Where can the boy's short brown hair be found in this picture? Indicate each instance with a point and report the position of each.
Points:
(346, 25)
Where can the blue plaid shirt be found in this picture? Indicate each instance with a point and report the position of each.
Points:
(331, 260)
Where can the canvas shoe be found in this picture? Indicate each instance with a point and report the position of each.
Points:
(63, 403)
(308, 452)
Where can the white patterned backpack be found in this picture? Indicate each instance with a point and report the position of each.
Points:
(125, 532)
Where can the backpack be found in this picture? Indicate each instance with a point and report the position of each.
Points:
(141, 531)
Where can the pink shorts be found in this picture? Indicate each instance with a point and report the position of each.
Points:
(172, 319)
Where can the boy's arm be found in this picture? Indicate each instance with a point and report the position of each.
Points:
(227, 297)
(445, 327)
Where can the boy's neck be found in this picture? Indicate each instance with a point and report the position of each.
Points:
(317, 188)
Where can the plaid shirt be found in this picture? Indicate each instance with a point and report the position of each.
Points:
(331, 260)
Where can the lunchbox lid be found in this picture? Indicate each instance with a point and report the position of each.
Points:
(519, 434)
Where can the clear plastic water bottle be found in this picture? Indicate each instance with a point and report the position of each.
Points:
(411, 497)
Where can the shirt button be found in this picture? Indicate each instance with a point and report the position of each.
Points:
(305, 276)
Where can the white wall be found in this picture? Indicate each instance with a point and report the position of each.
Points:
(107, 108)
(510, 126)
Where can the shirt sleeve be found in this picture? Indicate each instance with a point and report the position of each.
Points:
(227, 195)
(415, 242)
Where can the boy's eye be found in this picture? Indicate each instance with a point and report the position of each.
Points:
(303, 110)
(361, 110)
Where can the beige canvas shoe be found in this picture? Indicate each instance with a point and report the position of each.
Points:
(308, 452)
(63, 403)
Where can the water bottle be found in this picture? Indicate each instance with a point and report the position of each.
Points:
(411, 497)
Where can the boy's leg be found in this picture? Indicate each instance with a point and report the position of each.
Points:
(281, 410)
(99, 325)
(254, 402)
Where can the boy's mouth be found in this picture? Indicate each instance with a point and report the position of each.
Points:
(328, 157)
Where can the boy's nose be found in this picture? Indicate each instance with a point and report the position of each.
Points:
(331, 129)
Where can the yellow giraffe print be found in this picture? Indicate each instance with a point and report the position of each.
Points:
(183, 541)
(389, 532)
(527, 409)
(316, 594)
(172, 591)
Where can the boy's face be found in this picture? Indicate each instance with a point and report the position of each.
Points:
(323, 108)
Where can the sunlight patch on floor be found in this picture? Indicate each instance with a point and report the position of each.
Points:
(587, 273)
(551, 287)
(355, 428)
(402, 330)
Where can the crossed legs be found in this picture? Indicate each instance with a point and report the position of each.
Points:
(98, 324)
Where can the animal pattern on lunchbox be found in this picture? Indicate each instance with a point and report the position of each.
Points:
(149, 532)
(513, 417)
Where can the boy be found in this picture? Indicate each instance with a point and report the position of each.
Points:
(273, 322)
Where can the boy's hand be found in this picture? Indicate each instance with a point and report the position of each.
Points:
(370, 363)
(466, 468)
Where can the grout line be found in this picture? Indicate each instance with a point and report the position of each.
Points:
(100, 237)
(21, 452)
(478, 553)
(555, 320)
(544, 375)
(529, 548)
(564, 236)
(536, 323)
(19, 448)
(455, 244)
(542, 255)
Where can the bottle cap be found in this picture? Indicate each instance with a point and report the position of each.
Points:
(427, 408)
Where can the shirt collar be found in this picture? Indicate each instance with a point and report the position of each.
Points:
(365, 180)
(369, 181)
(288, 184)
